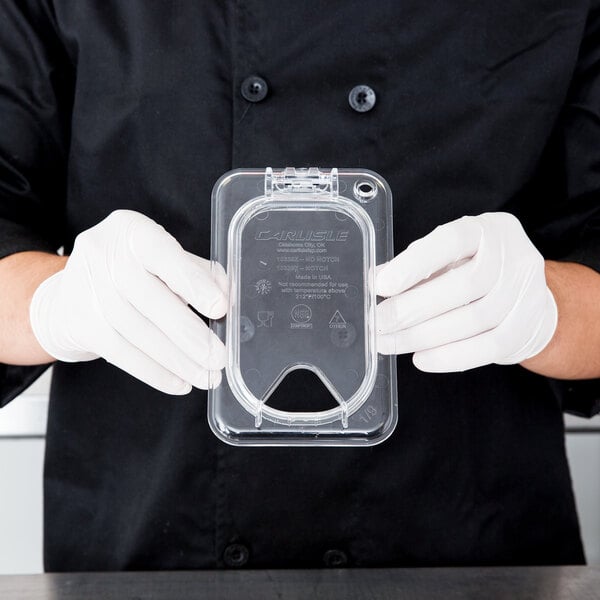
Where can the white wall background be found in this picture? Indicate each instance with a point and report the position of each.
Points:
(22, 425)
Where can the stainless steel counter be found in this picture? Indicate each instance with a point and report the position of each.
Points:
(543, 583)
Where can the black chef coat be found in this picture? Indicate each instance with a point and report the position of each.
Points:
(479, 106)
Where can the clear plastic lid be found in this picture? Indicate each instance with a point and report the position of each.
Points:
(300, 248)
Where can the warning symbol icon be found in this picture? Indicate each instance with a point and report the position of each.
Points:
(337, 321)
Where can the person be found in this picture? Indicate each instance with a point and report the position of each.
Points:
(118, 117)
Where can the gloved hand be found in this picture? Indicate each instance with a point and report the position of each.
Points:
(123, 296)
(471, 293)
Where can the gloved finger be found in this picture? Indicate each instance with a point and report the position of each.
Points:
(470, 353)
(503, 326)
(454, 288)
(187, 275)
(119, 352)
(446, 245)
(167, 311)
(219, 275)
(213, 380)
(462, 323)
(216, 269)
(132, 325)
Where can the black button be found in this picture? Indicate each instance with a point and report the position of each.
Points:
(335, 559)
(362, 98)
(254, 88)
(236, 555)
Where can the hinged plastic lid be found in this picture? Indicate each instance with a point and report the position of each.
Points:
(300, 247)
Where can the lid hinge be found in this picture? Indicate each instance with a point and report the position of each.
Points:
(302, 181)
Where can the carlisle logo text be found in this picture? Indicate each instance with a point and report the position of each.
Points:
(299, 235)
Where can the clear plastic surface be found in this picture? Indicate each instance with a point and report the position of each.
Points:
(300, 248)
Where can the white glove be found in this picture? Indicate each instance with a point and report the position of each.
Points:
(123, 296)
(471, 293)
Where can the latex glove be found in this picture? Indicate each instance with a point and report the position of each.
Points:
(471, 293)
(123, 296)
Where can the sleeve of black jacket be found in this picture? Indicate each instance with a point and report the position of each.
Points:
(36, 88)
(573, 222)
